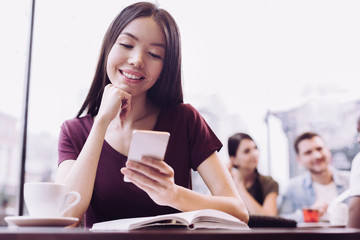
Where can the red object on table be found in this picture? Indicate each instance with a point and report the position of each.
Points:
(311, 215)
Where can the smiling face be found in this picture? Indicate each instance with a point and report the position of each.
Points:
(314, 154)
(247, 155)
(136, 59)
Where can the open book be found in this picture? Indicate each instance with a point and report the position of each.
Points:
(206, 218)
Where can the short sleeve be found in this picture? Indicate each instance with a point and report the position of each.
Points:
(269, 185)
(73, 134)
(191, 139)
(66, 149)
(202, 140)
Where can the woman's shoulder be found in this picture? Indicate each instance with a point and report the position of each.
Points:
(268, 184)
(180, 111)
(184, 107)
(73, 135)
(268, 179)
(84, 122)
(186, 110)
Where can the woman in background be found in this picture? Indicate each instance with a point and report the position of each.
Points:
(258, 192)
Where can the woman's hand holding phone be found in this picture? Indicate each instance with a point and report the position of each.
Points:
(145, 166)
(150, 144)
(154, 177)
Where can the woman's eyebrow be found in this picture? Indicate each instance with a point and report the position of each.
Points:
(137, 39)
(130, 35)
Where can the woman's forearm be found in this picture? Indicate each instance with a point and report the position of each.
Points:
(80, 175)
(188, 200)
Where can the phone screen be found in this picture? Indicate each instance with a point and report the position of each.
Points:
(146, 143)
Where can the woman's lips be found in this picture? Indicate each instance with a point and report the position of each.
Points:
(132, 75)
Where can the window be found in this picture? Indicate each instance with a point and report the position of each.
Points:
(244, 62)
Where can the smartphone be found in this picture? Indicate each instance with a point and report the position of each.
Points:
(146, 143)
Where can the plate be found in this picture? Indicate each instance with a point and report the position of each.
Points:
(318, 225)
(27, 221)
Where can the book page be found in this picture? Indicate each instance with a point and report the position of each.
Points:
(210, 218)
(206, 218)
(135, 223)
(120, 224)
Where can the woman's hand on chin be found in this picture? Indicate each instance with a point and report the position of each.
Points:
(114, 100)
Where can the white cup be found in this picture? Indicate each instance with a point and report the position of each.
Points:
(48, 200)
(338, 214)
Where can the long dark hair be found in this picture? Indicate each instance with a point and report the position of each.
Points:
(234, 142)
(167, 91)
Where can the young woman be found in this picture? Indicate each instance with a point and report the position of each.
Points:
(137, 85)
(258, 192)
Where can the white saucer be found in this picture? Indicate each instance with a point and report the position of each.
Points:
(318, 225)
(27, 221)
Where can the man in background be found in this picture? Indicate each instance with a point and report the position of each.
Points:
(316, 187)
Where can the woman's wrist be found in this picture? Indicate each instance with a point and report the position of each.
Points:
(101, 122)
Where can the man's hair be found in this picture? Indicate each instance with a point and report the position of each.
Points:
(304, 136)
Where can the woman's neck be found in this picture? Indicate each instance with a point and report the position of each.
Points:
(248, 176)
(141, 116)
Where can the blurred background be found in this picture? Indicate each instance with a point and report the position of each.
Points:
(271, 68)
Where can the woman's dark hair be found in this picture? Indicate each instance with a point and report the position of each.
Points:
(234, 142)
(167, 91)
(304, 136)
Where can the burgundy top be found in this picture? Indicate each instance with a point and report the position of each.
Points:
(191, 142)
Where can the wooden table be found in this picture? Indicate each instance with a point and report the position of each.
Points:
(181, 233)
